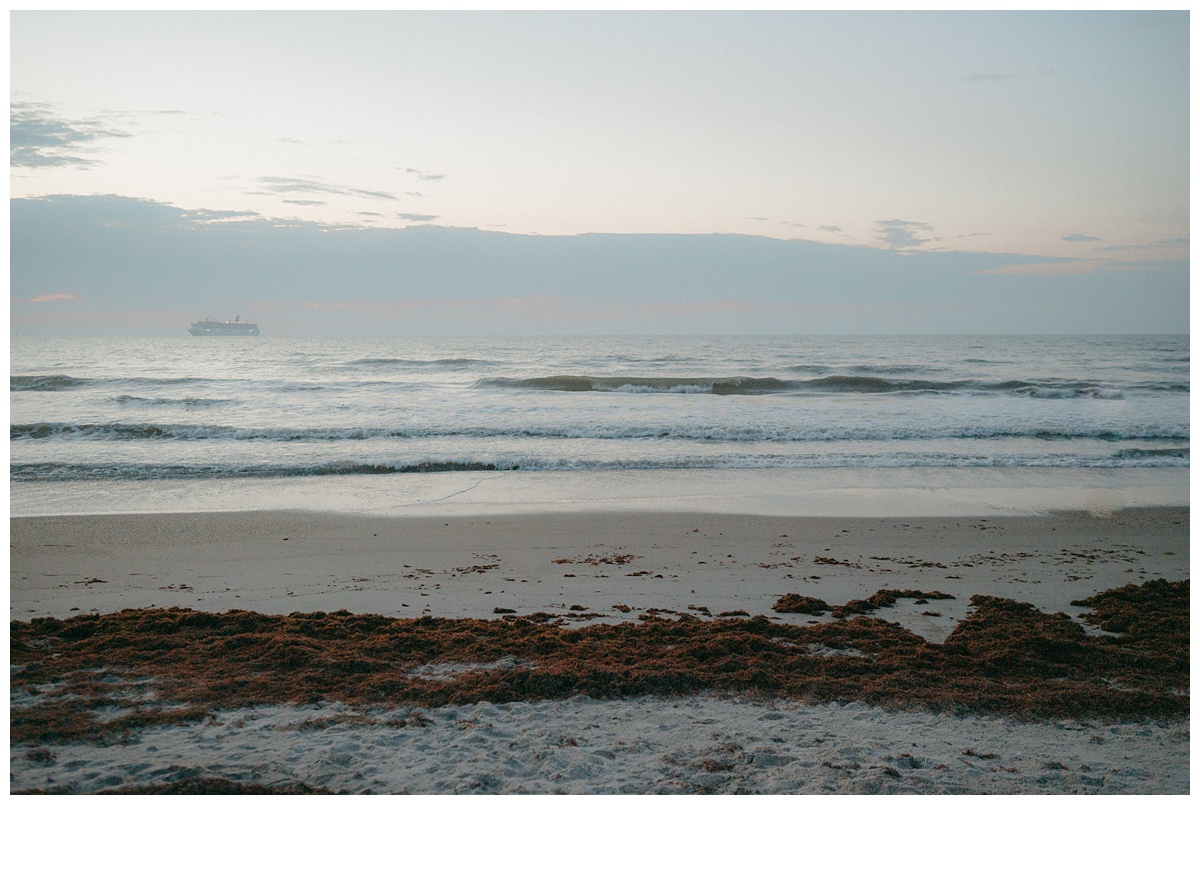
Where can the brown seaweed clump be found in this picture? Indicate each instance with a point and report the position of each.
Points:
(100, 678)
(205, 786)
(1155, 610)
(795, 604)
(884, 599)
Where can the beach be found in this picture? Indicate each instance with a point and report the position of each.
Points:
(720, 576)
(893, 563)
(277, 562)
(640, 410)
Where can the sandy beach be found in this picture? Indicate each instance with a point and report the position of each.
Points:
(691, 745)
(578, 571)
(282, 562)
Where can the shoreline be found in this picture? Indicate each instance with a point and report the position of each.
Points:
(825, 492)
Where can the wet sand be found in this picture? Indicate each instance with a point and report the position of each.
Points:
(296, 561)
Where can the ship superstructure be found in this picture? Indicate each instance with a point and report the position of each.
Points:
(234, 327)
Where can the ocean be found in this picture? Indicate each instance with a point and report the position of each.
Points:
(188, 423)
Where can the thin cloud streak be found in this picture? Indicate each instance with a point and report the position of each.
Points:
(424, 176)
(1173, 243)
(39, 137)
(44, 299)
(278, 185)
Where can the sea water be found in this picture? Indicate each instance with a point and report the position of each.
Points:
(378, 424)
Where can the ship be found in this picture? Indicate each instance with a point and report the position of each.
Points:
(235, 327)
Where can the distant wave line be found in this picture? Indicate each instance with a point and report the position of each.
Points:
(747, 434)
(450, 362)
(703, 384)
(857, 384)
(63, 471)
(55, 383)
(187, 401)
(67, 382)
(45, 382)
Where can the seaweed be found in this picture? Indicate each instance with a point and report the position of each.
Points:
(884, 599)
(219, 786)
(794, 603)
(102, 678)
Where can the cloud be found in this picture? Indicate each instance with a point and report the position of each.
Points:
(1081, 238)
(899, 234)
(413, 216)
(832, 228)
(276, 185)
(1173, 242)
(204, 216)
(424, 176)
(56, 296)
(307, 202)
(40, 137)
(776, 221)
(135, 255)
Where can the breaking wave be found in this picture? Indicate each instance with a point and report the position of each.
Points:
(60, 471)
(742, 385)
(749, 433)
(585, 383)
(53, 471)
(67, 382)
(449, 363)
(45, 382)
(190, 402)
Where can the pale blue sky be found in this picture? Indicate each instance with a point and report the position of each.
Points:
(1020, 127)
(1050, 135)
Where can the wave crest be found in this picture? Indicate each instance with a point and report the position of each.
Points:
(622, 384)
(45, 382)
(64, 471)
(448, 363)
(190, 402)
(745, 385)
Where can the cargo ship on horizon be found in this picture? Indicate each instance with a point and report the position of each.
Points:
(221, 328)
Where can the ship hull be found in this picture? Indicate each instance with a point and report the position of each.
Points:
(223, 329)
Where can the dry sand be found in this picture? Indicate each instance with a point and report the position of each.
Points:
(640, 745)
(581, 565)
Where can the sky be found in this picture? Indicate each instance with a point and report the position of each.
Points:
(856, 172)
